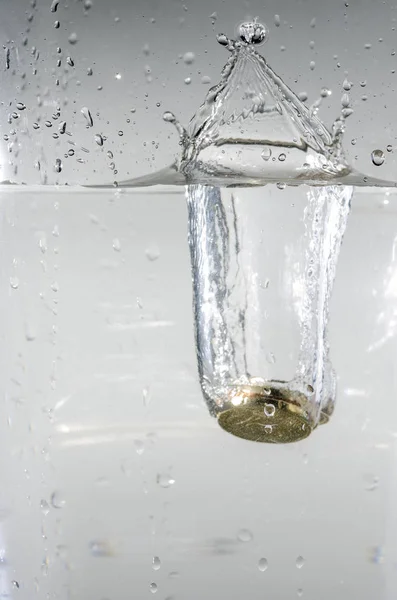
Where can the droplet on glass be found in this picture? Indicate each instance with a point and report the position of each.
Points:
(262, 564)
(282, 157)
(169, 117)
(312, 65)
(300, 561)
(188, 80)
(20, 106)
(57, 24)
(205, 79)
(70, 61)
(303, 96)
(372, 484)
(300, 592)
(389, 148)
(378, 157)
(153, 588)
(244, 535)
(156, 563)
(277, 20)
(165, 480)
(139, 447)
(347, 86)
(99, 139)
(15, 584)
(54, 5)
(58, 165)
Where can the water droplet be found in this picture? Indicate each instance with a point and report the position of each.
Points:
(282, 157)
(152, 253)
(15, 584)
(312, 65)
(252, 32)
(189, 58)
(266, 153)
(101, 548)
(300, 561)
(165, 480)
(139, 447)
(156, 563)
(87, 115)
(14, 283)
(169, 117)
(389, 148)
(303, 96)
(117, 76)
(116, 245)
(305, 459)
(378, 157)
(270, 357)
(90, 71)
(45, 509)
(188, 80)
(277, 20)
(368, 46)
(281, 185)
(205, 79)
(377, 555)
(70, 61)
(262, 564)
(153, 588)
(120, 133)
(353, 142)
(57, 501)
(363, 83)
(54, 5)
(99, 139)
(372, 484)
(244, 535)
(345, 100)
(300, 592)
(20, 106)
(269, 410)
(73, 39)
(109, 154)
(58, 165)
(347, 86)
(87, 4)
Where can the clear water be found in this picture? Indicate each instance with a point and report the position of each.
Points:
(109, 455)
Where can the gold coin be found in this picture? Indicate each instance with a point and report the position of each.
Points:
(252, 422)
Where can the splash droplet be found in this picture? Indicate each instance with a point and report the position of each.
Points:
(252, 32)
(73, 39)
(300, 561)
(244, 535)
(378, 158)
(266, 153)
(165, 480)
(189, 58)
(87, 115)
(57, 501)
(263, 564)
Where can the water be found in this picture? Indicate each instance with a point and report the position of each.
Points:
(76, 389)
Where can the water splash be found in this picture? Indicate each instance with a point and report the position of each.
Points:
(251, 109)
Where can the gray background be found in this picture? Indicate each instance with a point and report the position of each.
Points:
(130, 38)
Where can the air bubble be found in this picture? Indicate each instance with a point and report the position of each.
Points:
(378, 158)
